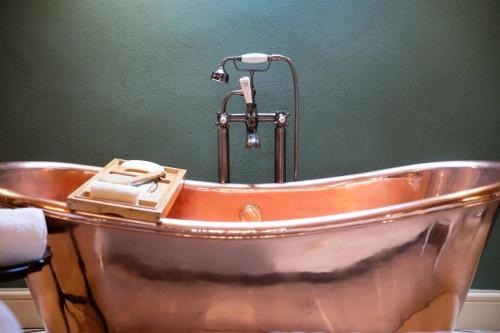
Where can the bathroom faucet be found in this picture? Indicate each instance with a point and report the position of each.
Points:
(252, 118)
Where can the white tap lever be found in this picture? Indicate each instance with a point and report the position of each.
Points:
(247, 89)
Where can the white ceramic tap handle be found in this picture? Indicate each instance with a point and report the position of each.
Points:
(254, 58)
(247, 89)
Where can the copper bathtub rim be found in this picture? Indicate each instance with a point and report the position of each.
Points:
(276, 228)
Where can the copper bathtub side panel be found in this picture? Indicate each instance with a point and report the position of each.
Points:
(405, 268)
(61, 290)
(400, 276)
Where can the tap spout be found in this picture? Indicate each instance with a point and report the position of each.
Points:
(251, 121)
(252, 139)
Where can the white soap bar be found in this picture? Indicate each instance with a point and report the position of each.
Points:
(145, 166)
(114, 192)
(23, 235)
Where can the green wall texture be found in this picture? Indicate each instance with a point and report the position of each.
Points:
(383, 84)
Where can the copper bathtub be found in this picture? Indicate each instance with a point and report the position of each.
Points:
(387, 251)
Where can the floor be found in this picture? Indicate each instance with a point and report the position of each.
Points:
(43, 331)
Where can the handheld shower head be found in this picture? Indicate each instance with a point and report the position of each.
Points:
(220, 75)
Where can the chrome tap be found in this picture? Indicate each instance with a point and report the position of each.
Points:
(251, 117)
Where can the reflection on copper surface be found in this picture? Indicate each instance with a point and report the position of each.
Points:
(387, 251)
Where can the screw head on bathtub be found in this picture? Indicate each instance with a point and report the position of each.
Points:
(250, 213)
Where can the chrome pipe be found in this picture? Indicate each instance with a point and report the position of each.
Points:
(293, 70)
(280, 149)
(226, 59)
(266, 117)
(238, 117)
(227, 97)
(223, 153)
(223, 119)
(263, 117)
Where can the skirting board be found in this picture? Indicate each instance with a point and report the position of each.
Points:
(480, 312)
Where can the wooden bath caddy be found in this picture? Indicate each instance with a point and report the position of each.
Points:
(151, 205)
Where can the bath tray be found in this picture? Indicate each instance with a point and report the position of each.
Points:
(151, 206)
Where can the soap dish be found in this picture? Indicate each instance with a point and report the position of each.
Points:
(150, 206)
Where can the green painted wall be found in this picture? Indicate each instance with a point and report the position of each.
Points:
(383, 83)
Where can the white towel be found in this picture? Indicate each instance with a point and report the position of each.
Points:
(8, 323)
(23, 235)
